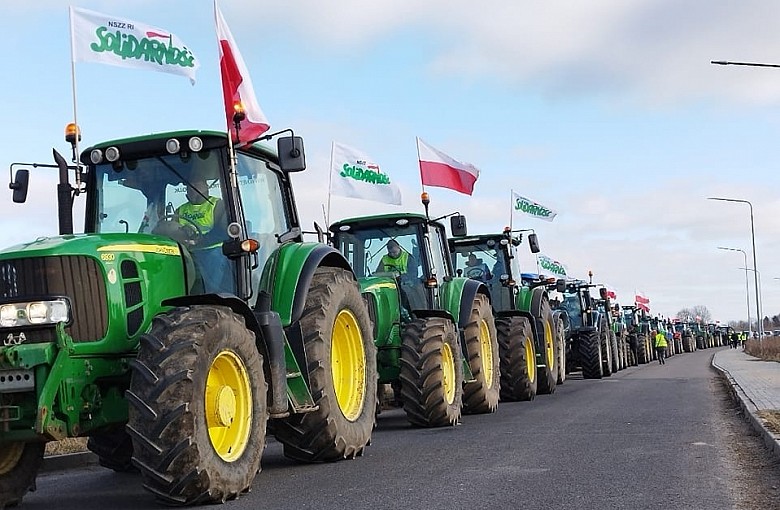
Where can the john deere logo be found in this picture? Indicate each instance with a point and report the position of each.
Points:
(12, 339)
(532, 208)
(148, 48)
(370, 174)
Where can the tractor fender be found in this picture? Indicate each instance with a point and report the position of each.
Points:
(269, 339)
(538, 294)
(458, 296)
(563, 316)
(288, 274)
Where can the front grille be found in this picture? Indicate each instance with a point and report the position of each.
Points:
(76, 277)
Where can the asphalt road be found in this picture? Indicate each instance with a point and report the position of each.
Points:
(653, 437)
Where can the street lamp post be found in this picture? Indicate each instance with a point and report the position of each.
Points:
(755, 266)
(747, 285)
(761, 307)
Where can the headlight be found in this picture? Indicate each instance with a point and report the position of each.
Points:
(34, 313)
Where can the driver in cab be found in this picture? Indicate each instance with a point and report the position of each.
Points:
(199, 209)
(396, 260)
(477, 269)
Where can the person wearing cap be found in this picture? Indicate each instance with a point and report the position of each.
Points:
(396, 260)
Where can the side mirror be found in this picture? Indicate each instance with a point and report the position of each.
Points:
(603, 292)
(560, 285)
(291, 155)
(458, 225)
(20, 185)
(533, 243)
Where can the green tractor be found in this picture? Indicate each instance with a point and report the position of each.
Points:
(171, 339)
(529, 335)
(435, 333)
(589, 345)
(639, 338)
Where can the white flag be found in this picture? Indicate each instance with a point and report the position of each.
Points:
(354, 174)
(121, 42)
(531, 208)
(551, 267)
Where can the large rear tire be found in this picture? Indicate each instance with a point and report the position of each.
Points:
(339, 346)
(615, 352)
(641, 349)
(546, 352)
(606, 350)
(589, 346)
(19, 465)
(518, 359)
(560, 340)
(431, 372)
(197, 414)
(481, 395)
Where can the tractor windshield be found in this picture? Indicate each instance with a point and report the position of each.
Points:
(572, 303)
(382, 250)
(479, 261)
(139, 195)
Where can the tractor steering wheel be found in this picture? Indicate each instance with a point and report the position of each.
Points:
(475, 272)
(169, 225)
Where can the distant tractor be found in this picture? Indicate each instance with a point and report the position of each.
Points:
(436, 340)
(530, 335)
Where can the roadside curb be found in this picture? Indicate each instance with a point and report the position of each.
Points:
(749, 410)
(68, 461)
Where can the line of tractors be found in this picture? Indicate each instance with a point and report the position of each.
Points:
(176, 343)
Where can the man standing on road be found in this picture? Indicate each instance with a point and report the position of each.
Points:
(660, 346)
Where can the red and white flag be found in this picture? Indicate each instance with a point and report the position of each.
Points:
(438, 169)
(641, 301)
(237, 86)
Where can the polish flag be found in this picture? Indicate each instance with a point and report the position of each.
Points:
(642, 302)
(438, 169)
(237, 87)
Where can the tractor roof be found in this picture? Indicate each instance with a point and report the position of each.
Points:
(155, 143)
(381, 220)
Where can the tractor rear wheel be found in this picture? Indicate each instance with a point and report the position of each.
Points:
(613, 342)
(197, 413)
(340, 351)
(518, 359)
(19, 465)
(606, 351)
(560, 340)
(547, 350)
(589, 346)
(114, 449)
(481, 396)
(641, 349)
(431, 372)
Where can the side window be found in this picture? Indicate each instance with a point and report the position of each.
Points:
(265, 215)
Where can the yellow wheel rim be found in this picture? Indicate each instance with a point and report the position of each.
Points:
(486, 352)
(348, 365)
(9, 456)
(448, 373)
(548, 345)
(530, 359)
(228, 405)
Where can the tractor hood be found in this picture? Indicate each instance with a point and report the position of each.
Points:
(92, 244)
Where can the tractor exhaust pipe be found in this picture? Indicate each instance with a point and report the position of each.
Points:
(64, 197)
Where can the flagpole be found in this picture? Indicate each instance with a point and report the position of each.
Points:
(330, 183)
(417, 142)
(73, 88)
(512, 213)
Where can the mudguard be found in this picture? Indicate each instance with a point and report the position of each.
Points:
(458, 295)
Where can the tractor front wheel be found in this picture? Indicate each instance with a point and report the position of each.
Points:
(340, 351)
(589, 346)
(481, 396)
(197, 413)
(114, 449)
(518, 359)
(19, 465)
(547, 352)
(431, 372)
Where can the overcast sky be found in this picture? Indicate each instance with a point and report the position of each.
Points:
(607, 111)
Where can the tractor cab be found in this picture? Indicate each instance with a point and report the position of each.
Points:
(407, 247)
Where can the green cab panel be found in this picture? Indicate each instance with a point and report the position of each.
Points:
(452, 296)
(386, 314)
